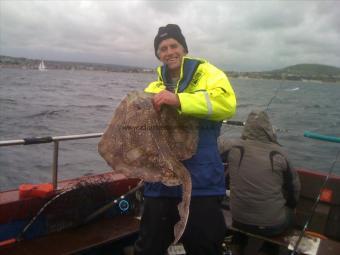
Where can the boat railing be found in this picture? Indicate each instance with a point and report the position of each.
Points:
(50, 139)
(56, 139)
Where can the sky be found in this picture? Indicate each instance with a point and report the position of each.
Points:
(233, 35)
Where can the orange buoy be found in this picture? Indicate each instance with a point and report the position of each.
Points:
(40, 190)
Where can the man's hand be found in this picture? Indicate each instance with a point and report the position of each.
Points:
(165, 97)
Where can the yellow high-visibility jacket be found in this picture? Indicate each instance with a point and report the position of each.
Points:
(204, 90)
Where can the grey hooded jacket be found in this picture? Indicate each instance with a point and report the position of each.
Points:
(262, 184)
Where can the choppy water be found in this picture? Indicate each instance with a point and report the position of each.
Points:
(58, 102)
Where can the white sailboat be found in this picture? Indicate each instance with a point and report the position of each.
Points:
(42, 66)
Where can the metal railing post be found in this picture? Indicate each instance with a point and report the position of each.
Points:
(50, 139)
(55, 165)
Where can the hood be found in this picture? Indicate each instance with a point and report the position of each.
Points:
(259, 128)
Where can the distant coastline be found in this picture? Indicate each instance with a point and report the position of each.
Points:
(259, 76)
(300, 72)
(26, 63)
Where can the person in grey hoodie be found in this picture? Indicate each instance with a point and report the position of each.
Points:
(264, 188)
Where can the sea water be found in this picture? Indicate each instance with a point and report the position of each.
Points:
(60, 102)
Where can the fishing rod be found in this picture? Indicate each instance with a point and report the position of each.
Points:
(234, 123)
(113, 202)
(278, 89)
(20, 236)
(323, 185)
(242, 123)
(273, 97)
(122, 203)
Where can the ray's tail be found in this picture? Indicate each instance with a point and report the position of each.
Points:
(183, 206)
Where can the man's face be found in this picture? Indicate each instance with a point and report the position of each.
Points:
(171, 53)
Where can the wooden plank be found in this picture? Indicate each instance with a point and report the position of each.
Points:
(329, 247)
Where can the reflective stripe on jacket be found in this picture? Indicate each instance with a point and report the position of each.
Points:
(204, 92)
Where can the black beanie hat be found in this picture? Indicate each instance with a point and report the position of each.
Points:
(170, 31)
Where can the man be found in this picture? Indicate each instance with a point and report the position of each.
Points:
(264, 189)
(199, 89)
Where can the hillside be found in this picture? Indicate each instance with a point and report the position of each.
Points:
(310, 69)
(300, 72)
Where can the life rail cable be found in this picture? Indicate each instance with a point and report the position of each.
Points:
(48, 139)
(323, 185)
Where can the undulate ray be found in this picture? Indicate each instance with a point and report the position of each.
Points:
(141, 143)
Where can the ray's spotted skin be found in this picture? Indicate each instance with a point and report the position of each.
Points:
(142, 143)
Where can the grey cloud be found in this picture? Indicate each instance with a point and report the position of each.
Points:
(232, 34)
(167, 7)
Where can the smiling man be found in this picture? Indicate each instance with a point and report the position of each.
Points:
(195, 88)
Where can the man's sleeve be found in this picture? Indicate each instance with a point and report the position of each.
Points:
(155, 87)
(217, 101)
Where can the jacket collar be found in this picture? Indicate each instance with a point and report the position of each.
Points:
(188, 69)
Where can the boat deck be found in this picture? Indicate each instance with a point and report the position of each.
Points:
(325, 247)
(105, 231)
(123, 230)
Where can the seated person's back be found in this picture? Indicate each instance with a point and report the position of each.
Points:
(263, 187)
